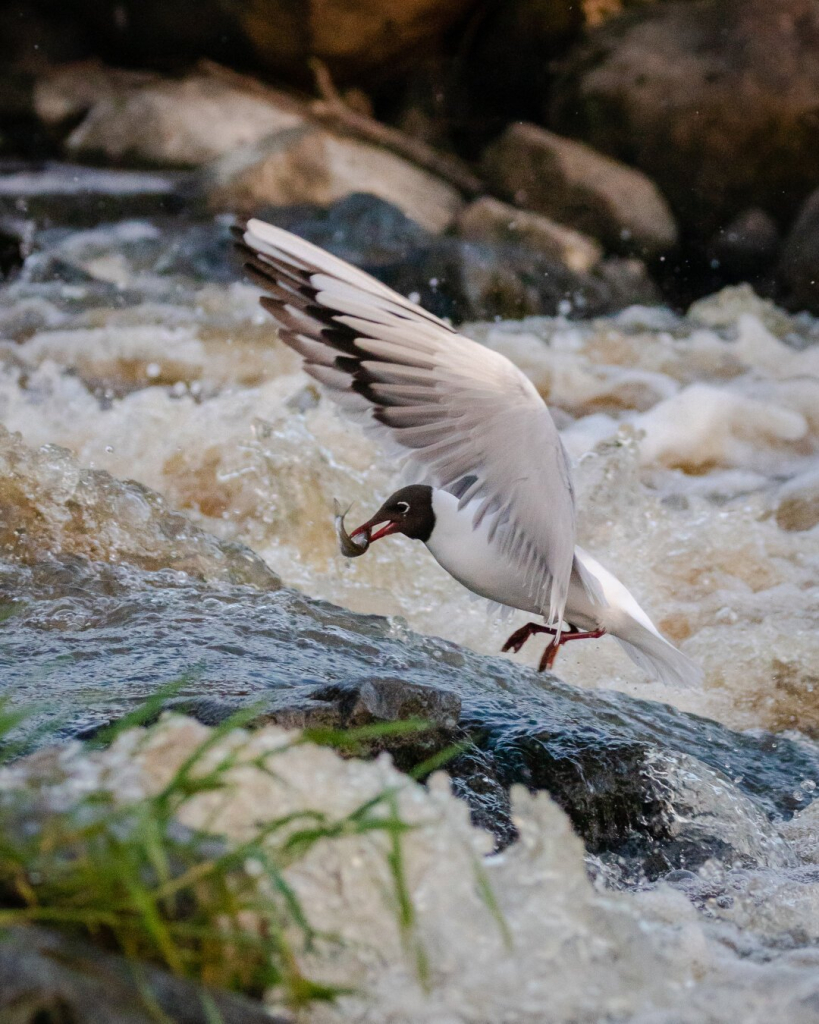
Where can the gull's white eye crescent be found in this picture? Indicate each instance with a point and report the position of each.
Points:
(403, 507)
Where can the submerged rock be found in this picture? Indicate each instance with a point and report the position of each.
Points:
(797, 502)
(575, 185)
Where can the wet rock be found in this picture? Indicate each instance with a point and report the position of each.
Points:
(49, 503)
(161, 122)
(471, 280)
(55, 193)
(479, 281)
(489, 220)
(374, 701)
(573, 184)
(746, 247)
(714, 99)
(797, 270)
(310, 165)
(48, 978)
(642, 782)
(361, 228)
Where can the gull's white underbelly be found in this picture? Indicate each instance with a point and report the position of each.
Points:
(467, 555)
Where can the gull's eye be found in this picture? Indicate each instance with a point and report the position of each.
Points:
(403, 507)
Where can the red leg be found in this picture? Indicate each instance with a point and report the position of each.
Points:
(520, 636)
(554, 646)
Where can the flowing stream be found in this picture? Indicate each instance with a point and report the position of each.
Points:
(134, 352)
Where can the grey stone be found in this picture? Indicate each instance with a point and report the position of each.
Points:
(170, 122)
(489, 220)
(310, 165)
(577, 186)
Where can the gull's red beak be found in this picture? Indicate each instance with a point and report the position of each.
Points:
(390, 526)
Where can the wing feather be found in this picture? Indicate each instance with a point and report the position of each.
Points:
(468, 420)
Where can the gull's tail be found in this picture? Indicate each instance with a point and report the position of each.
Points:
(656, 656)
(607, 602)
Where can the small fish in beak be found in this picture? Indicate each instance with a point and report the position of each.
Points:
(350, 548)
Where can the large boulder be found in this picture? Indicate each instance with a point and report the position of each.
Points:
(570, 182)
(310, 165)
(489, 220)
(133, 117)
(715, 99)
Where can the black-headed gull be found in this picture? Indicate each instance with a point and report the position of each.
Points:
(495, 506)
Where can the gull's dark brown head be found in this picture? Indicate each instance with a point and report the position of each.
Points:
(408, 511)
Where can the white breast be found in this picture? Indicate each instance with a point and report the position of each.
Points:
(467, 554)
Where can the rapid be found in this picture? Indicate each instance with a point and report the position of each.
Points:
(154, 425)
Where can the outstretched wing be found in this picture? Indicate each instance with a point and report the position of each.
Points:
(467, 418)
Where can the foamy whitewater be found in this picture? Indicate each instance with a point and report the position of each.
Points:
(695, 442)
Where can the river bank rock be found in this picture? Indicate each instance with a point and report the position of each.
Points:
(714, 99)
(489, 220)
(134, 117)
(579, 187)
(310, 165)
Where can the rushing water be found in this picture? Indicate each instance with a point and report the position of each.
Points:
(696, 447)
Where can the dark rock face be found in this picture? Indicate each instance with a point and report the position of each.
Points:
(47, 978)
(644, 784)
(714, 99)
(798, 269)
